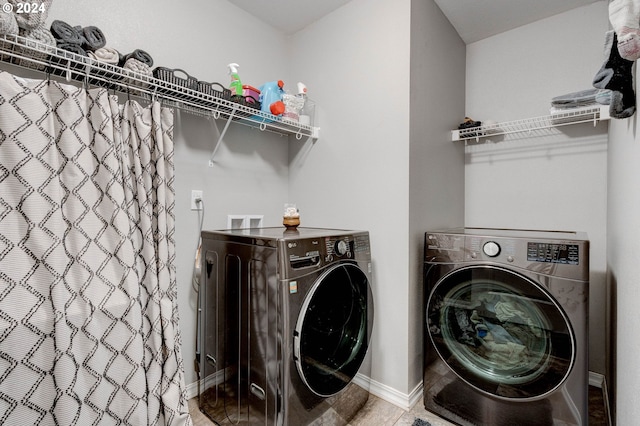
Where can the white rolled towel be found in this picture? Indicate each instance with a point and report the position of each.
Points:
(8, 23)
(139, 72)
(30, 15)
(105, 54)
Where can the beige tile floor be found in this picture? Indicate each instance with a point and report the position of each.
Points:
(376, 412)
(379, 412)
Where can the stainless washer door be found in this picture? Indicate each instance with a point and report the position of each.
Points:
(333, 329)
(500, 332)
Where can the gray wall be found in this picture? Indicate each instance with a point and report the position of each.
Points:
(623, 253)
(551, 179)
(436, 165)
(356, 175)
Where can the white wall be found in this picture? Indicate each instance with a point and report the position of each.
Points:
(553, 179)
(623, 253)
(355, 63)
(250, 175)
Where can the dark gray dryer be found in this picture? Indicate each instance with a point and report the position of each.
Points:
(505, 333)
(286, 319)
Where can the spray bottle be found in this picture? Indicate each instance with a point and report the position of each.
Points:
(236, 84)
(306, 110)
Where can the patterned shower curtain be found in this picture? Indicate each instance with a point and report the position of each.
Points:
(88, 308)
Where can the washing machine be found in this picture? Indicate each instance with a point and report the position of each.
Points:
(506, 326)
(285, 325)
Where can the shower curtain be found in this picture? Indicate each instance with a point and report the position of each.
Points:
(88, 311)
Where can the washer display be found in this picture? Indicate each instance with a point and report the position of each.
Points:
(505, 330)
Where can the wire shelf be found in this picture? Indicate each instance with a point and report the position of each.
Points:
(32, 54)
(582, 115)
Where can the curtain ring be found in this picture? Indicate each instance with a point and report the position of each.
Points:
(216, 114)
(299, 134)
(263, 126)
(68, 76)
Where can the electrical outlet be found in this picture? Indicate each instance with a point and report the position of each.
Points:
(196, 195)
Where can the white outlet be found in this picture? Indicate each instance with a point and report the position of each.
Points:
(196, 195)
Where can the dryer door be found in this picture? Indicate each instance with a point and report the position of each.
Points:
(500, 332)
(333, 329)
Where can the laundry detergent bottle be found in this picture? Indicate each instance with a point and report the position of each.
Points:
(271, 97)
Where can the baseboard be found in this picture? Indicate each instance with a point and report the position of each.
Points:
(596, 379)
(389, 394)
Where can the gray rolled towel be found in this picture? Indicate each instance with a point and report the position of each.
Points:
(73, 48)
(30, 15)
(141, 56)
(93, 38)
(65, 33)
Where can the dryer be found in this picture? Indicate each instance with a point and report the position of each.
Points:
(506, 326)
(286, 320)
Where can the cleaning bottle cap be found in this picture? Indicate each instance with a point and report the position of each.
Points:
(302, 89)
(280, 84)
(233, 68)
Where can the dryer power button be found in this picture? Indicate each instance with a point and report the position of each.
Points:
(491, 248)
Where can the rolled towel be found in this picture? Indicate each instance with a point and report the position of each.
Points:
(73, 48)
(65, 33)
(39, 43)
(31, 18)
(139, 72)
(141, 56)
(8, 23)
(93, 38)
(105, 54)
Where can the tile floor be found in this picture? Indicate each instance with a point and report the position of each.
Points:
(379, 412)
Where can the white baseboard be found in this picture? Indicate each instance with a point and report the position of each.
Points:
(596, 379)
(389, 394)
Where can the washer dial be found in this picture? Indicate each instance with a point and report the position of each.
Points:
(341, 247)
(491, 248)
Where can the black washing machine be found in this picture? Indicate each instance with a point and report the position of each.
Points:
(506, 327)
(286, 320)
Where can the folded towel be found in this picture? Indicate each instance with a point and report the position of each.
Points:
(583, 97)
(139, 71)
(141, 56)
(93, 38)
(105, 54)
(8, 23)
(33, 20)
(39, 43)
(65, 33)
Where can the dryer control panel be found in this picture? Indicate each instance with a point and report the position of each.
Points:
(319, 252)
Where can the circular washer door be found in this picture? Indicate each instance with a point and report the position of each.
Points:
(333, 329)
(500, 332)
